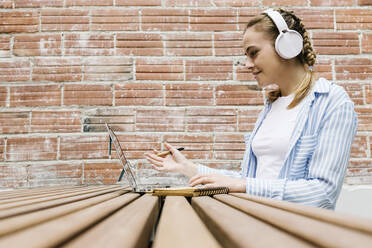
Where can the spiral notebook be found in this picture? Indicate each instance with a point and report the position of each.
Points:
(155, 189)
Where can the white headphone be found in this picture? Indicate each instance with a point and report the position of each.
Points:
(289, 42)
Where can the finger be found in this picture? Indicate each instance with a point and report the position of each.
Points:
(196, 177)
(154, 157)
(202, 180)
(171, 148)
(155, 162)
(157, 168)
(155, 151)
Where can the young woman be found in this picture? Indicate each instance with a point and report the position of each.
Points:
(300, 146)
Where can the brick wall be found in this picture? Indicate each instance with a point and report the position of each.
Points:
(159, 70)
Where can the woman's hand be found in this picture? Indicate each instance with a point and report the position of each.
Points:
(174, 162)
(218, 180)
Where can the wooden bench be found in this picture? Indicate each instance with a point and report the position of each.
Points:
(113, 216)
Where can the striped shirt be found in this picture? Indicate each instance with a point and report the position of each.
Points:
(318, 155)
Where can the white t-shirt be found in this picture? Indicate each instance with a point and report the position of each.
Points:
(271, 142)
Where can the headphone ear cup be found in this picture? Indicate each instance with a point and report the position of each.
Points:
(289, 44)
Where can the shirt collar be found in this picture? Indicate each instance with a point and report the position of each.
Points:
(322, 85)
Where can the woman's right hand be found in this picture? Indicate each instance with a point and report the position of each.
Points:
(174, 162)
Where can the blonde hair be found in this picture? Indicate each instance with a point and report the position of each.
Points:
(263, 23)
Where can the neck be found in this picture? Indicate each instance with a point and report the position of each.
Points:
(292, 79)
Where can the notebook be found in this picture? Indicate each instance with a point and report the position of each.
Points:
(129, 172)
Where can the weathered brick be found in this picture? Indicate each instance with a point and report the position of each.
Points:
(55, 121)
(188, 44)
(6, 4)
(189, 94)
(336, 43)
(2, 150)
(228, 44)
(221, 164)
(364, 118)
(37, 3)
(115, 20)
(244, 15)
(323, 68)
(57, 69)
(89, 44)
(37, 45)
(340, 3)
(87, 94)
(35, 95)
(316, 18)
(209, 69)
(213, 20)
(164, 19)
(355, 91)
(145, 94)
(31, 148)
(55, 174)
(359, 147)
(280, 3)
(367, 43)
(84, 147)
(4, 46)
(64, 20)
(139, 44)
(237, 95)
(15, 70)
(3, 96)
(187, 3)
(364, 2)
(211, 120)
(353, 68)
(89, 3)
(102, 172)
(168, 120)
(19, 21)
(120, 119)
(247, 118)
(357, 163)
(14, 122)
(197, 146)
(13, 176)
(138, 2)
(368, 90)
(353, 19)
(159, 69)
(229, 146)
(236, 3)
(107, 69)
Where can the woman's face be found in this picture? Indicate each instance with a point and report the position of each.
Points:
(261, 58)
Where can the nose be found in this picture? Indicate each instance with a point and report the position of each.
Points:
(249, 64)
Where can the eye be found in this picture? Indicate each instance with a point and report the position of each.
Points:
(253, 53)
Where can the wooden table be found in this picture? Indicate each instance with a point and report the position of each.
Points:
(113, 216)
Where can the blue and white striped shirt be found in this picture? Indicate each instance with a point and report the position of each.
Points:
(318, 155)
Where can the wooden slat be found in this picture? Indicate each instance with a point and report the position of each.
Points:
(131, 226)
(180, 226)
(60, 230)
(47, 204)
(233, 228)
(340, 219)
(20, 222)
(322, 234)
(29, 191)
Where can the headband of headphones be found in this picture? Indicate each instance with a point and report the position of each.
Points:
(289, 43)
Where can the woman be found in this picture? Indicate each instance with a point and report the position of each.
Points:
(300, 146)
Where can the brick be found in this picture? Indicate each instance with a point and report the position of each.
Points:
(355, 92)
(138, 3)
(364, 118)
(159, 69)
(355, 163)
(197, 146)
(359, 147)
(316, 19)
(211, 120)
(120, 119)
(135, 145)
(19, 21)
(64, 20)
(108, 69)
(3, 96)
(168, 120)
(247, 119)
(367, 43)
(353, 68)
(2, 150)
(281, 3)
(70, 3)
(340, 3)
(368, 90)
(84, 147)
(323, 68)
(188, 44)
(102, 172)
(115, 20)
(15, 70)
(37, 45)
(89, 44)
(13, 176)
(57, 69)
(228, 44)
(229, 146)
(244, 15)
(35, 96)
(333, 43)
(213, 20)
(87, 94)
(139, 44)
(189, 94)
(364, 2)
(4, 46)
(237, 95)
(209, 69)
(55, 121)
(226, 165)
(31, 148)
(236, 3)
(6, 4)
(164, 19)
(145, 94)
(37, 3)
(187, 3)
(14, 122)
(353, 19)
(55, 174)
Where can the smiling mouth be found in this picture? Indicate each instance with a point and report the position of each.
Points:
(256, 73)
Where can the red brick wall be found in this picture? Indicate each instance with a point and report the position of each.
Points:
(159, 70)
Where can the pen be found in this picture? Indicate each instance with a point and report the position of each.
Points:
(163, 154)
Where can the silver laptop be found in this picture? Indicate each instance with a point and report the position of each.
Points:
(129, 171)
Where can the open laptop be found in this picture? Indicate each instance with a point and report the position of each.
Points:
(129, 171)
